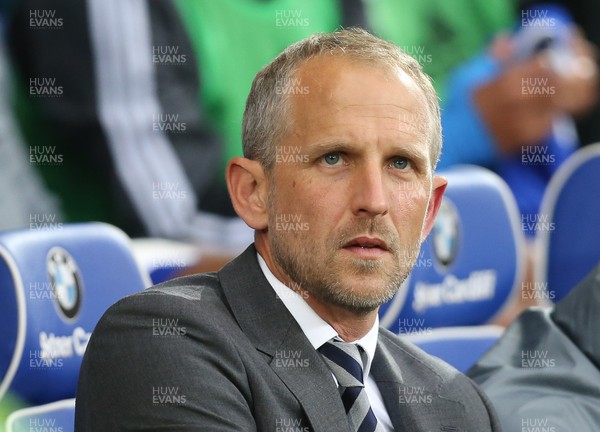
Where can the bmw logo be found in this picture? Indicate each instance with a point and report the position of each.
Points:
(65, 281)
(446, 233)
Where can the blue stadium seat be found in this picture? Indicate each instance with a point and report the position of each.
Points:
(459, 346)
(54, 286)
(568, 235)
(56, 416)
(470, 265)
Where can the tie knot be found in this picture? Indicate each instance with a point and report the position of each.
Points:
(345, 361)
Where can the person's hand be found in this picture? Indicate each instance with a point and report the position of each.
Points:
(577, 86)
(519, 105)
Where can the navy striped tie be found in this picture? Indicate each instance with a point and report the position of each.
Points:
(346, 363)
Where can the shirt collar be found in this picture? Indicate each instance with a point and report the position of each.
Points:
(313, 326)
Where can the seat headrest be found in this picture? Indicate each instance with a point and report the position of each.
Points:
(54, 286)
(568, 232)
(470, 264)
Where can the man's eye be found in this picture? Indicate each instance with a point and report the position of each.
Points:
(400, 163)
(332, 158)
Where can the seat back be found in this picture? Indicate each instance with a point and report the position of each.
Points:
(568, 227)
(471, 263)
(54, 286)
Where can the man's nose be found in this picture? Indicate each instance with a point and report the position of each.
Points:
(368, 192)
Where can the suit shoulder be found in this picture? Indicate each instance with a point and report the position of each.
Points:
(197, 298)
(420, 360)
(189, 287)
(203, 286)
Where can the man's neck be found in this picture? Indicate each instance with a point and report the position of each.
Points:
(349, 325)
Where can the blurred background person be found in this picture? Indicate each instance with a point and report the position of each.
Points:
(112, 87)
(511, 108)
(586, 14)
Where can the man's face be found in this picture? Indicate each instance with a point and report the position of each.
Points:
(351, 184)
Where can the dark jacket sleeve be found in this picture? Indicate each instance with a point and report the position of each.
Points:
(494, 421)
(159, 362)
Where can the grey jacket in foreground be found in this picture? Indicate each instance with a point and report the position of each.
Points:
(220, 352)
(544, 373)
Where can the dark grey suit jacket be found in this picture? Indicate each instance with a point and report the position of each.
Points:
(220, 352)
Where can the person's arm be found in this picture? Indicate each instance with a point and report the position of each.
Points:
(160, 362)
(467, 139)
(520, 105)
(493, 416)
(494, 108)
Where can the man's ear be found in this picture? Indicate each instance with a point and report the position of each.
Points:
(438, 188)
(248, 189)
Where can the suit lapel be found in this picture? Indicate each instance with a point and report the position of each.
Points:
(412, 401)
(388, 376)
(271, 328)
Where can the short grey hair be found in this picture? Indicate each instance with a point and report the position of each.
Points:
(266, 117)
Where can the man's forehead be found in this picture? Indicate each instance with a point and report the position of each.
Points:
(398, 112)
(337, 86)
(337, 82)
(324, 68)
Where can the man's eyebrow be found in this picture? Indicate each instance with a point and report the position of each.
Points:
(331, 145)
(413, 152)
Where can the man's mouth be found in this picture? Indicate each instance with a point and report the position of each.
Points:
(367, 246)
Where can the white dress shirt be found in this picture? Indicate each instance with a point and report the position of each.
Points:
(318, 332)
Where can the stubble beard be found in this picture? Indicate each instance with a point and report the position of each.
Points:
(326, 277)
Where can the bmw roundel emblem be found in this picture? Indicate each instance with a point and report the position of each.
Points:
(65, 282)
(446, 233)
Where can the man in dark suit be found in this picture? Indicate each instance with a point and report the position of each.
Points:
(341, 138)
